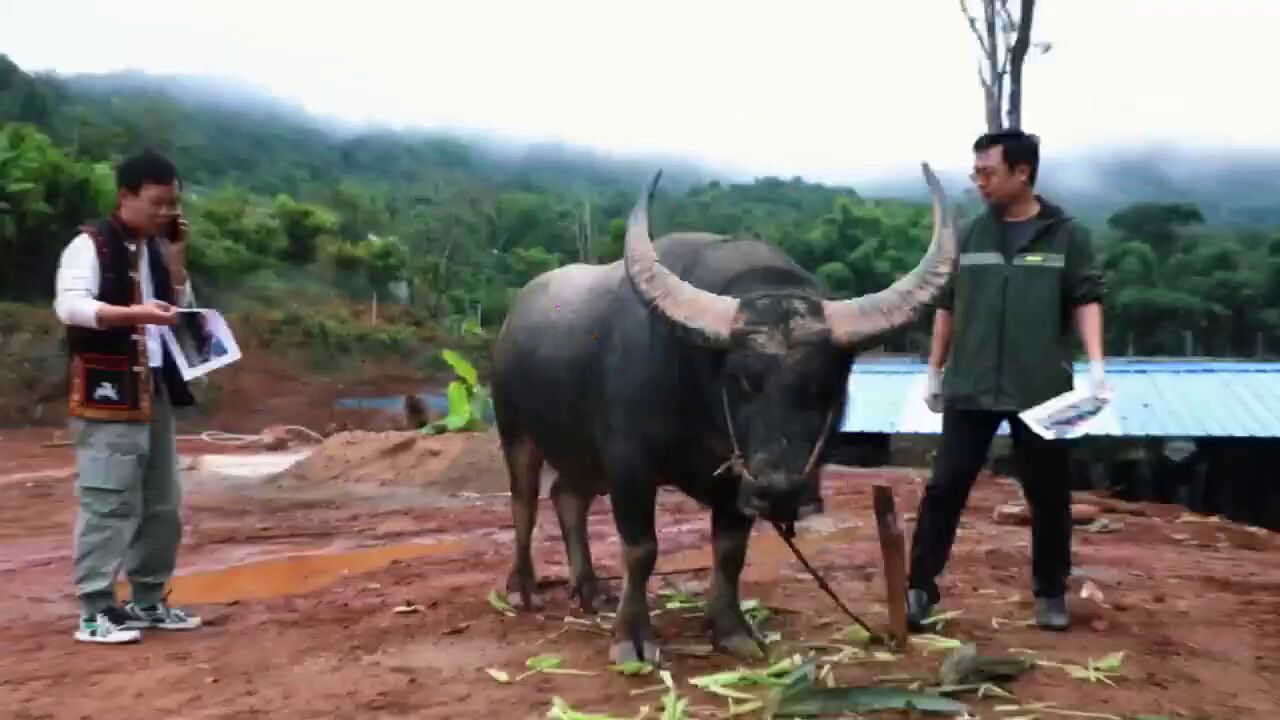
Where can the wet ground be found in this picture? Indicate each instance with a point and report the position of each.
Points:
(298, 577)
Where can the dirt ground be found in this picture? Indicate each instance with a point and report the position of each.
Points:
(297, 575)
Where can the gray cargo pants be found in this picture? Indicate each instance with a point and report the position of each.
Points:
(129, 497)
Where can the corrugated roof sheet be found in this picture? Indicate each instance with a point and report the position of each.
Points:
(1153, 398)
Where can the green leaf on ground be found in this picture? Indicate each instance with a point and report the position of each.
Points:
(674, 707)
(800, 696)
(680, 600)
(755, 611)
(934, 643)
(560, 710)
(855, 635)
(772, 675)
(549, 664)
(632, 667)
(941, 619)
(1101, 670)
(965, 666)
(500, 604)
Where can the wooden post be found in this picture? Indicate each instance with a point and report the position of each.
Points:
(893, 551)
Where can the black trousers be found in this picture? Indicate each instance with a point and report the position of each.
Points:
(1044, 474)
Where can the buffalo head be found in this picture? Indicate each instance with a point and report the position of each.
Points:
(786, 352)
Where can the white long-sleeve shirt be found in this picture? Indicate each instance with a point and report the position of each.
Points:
(76, 302)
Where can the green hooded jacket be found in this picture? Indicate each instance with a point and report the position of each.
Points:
(1013, 310)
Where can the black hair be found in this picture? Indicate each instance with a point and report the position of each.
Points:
(1020, 148)
(145, 168)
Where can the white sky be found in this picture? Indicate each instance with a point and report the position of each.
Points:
(833, 90)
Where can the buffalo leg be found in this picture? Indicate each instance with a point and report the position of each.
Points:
(634, 499)
(572, 500)
(730, 631)
(524, 464)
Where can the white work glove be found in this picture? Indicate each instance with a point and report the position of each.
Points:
(1098, 386)
(933, 392)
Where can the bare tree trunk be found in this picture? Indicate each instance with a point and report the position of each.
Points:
(591, 256)
(1018, 56)
(582, 232)
(442, 278)
(1004, 42)
(995, 96)
(989, 74)
(580, 235)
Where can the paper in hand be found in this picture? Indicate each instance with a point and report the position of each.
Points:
(1068, 416)
(200, 342)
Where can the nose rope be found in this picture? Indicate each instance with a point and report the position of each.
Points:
(739, 466)
(738, 463)
(787, 534)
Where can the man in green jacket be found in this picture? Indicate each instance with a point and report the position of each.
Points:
(1025, 277)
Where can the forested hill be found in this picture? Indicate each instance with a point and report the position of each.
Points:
(286, 206)
(220, 132)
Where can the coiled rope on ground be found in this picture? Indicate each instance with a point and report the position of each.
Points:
(218, 437)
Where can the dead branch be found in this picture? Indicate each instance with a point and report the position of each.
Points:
(1019, 57)
(1010, 29)
(973, 25)
(993, 61)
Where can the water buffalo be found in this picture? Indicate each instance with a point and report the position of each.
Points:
(710, 364)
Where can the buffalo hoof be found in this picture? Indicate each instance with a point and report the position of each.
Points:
(740, 645)
(625, 651)
(529, 602)
(522, 593)
(593, 598)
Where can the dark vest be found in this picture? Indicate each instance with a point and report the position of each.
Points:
(109, 373)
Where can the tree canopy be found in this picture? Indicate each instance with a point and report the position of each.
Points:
(283, 206)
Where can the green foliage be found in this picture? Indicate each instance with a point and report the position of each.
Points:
(327, 335)
(44, 196)
(303, 226)
(282, 208)
(470, 403)
(1156, 223)
(1169, 275)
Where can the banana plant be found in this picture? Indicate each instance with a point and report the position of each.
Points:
(470, 403)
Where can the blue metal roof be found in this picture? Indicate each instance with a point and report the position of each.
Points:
(1153, 398)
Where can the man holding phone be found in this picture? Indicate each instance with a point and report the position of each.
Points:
(118, 283)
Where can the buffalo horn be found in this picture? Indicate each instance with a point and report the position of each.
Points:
(707, 315)
(860, 318)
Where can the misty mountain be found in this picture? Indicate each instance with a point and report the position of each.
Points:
(1232, 186)
(260, 139)
(180, 115)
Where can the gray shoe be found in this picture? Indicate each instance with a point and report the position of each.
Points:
(919, 608)
(1051, 613)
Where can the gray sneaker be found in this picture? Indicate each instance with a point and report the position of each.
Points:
(107, 627)
(1051, 613)
(919, 609)
(159, 617)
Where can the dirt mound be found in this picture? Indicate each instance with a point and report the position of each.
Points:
(456, 462)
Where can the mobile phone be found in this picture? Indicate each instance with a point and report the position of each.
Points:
(174, 228)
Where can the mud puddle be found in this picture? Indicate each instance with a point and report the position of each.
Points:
(296, 573)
